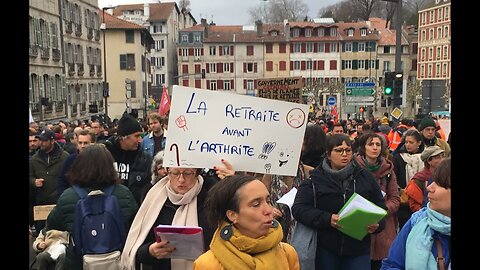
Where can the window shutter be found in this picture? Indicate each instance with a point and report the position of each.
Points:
(232, 86)
(291, 65)
(355, 64)
(315, 47)
(254, 84)
(255, 67)
(220, 84)
(219, 67)
(244, 84)
(304, 47)
(314, 65)
(291, 47)
(355, 46)
(343, 47)
(244, 67)
(190, 51)
(207, 67)
(231, 50)
(321, 65)
(208, 84)
(220, 50)
(201, 51)
(377, 63)
(343, 64)
(231, 68)
(327, 47)
(302, 65)
(179, 52)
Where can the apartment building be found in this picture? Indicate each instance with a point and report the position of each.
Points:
(163, 21)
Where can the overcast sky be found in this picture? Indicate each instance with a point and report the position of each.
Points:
(223, 12)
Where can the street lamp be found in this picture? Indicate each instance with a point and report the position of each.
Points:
(106, 91)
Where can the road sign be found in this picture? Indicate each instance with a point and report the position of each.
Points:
(396, 113)
(360, 91)
(332, 101)
(360, 85)
(353, 99)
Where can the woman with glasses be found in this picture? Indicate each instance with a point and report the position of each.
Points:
(176, 199)
(335, 181)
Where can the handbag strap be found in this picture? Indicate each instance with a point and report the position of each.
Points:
(441, 264)
(314, 196)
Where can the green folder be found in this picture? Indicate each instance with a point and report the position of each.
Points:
(357, 214)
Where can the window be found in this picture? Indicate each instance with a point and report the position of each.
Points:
(159, 45)
(439, 52)
(447, 13)
(445, 31)
(157, 28)
(386, 66)
(333, 64)
(444, 71)
(361, 64)
(196, 38)
(430, 54)
(269, 66)
(213, 85)
(386, 49)
(333, 47)
(423, 53)
(274, 33)
(226, 50)
(309, 64)
(422, 71)
(431, 16)
(127, 61)
(321, 47)
(282, 48)
(226, 68)
(226, 85)
(439, 32)
(196, 52)
(321, 32)
(430, 34)
(424, 35)
(333, 32)
(445, 52)
(440, 14)
(348, 47)
(249, 50)
(213, 50)
(295, 32)
(348, 64)
(250, 67)
(184, 52)
(363, 32)
(250, 85)
(296, 65)
(297, 47)
(308, 32)
(213, 67)
(129, 36)
(160, 79)
(423, 18)
(269, 48)
(283, 65)
(430, 67)
(350, 32)
(309, 47)
(361, 46)
(184, 38)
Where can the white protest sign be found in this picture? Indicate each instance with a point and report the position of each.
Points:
(254, 134)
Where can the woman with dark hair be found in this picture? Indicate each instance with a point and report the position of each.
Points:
(424, 241)
(371, 156)
(247, 235)
(176, 199)
(335, 181)
(406, 163)
(92, 169)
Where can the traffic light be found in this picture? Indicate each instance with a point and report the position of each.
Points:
(398, 89)
(389, 78)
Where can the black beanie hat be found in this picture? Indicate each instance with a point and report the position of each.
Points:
(128, 125)
(426, 122)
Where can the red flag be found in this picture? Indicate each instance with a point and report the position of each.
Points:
(335, 114)
(164, 106)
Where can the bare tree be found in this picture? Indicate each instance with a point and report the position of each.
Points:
(184, 6)
(279, 10)
(364, 8)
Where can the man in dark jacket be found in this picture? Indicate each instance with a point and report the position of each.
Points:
(132, 163)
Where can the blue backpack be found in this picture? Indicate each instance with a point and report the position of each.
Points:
(98, 225)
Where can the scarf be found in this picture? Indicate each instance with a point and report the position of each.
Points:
(374, 167)
(413, 164)
(342, 176)
(243, 252)
(186, 215)
(418, 254)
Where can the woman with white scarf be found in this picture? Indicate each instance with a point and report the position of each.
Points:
(407, 162)
(424, 241)
(177, 199)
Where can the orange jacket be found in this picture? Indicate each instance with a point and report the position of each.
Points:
(394, 137)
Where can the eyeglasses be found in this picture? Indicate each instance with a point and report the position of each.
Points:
(186, 175)
(340, 151)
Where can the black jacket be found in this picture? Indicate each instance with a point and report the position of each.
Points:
(331, 196)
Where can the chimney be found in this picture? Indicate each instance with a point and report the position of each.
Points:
(146, 10)
(203, 22)
(259, 26)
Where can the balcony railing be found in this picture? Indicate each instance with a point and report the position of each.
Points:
(45, 53)
(71, 69)
(90, 33)
(35, 107)
(92, 70)
(68, 27)
(56, 55)
(74, 109)
(80, 69)
(78, 30)
(33, 51)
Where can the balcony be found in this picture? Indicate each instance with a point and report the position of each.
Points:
(97, 35)
(56, 55)
(33, 51)
(59, 106)
(92, 70)
(74, 109)
(78, 30)
(68, 27)
(80, 69)
(83, 107)
(45, 53)
(90, 33)
(71, 69)
(35, 107)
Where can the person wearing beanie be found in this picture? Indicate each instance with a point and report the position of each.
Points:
(131, 162)
(427, 128)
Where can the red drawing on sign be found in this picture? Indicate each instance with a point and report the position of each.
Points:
(181, 122)
(295, 118)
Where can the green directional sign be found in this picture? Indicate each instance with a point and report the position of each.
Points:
(359, 91)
